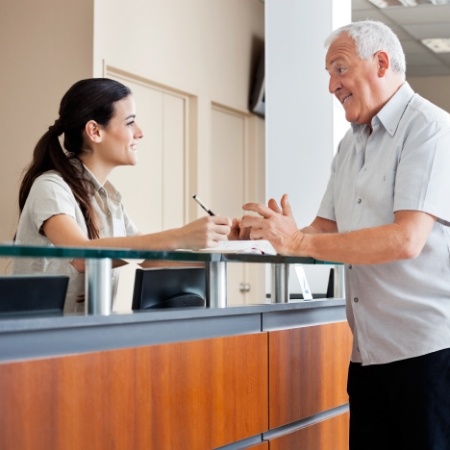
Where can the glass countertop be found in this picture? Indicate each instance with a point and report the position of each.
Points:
(16, 250)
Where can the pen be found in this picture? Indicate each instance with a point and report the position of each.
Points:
(203, 205)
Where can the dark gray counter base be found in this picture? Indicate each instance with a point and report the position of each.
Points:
(37, 337)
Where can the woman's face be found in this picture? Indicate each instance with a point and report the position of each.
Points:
(118, 146)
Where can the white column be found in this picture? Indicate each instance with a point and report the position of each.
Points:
(303, 123)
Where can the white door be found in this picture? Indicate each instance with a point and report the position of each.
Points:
(235, 170)
(157, 192)
(154, 192)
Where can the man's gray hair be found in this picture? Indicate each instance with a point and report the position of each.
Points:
(371, 36)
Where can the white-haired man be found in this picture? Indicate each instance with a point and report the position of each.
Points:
(386, 216)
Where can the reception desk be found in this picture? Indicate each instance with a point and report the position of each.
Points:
(269, 376)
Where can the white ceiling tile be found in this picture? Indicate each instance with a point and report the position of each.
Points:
(422, 59)
(364, 14)
(427, 71)
(400, 32)
(362, 4)
(429, 30)
(419, 14)
(445, 58)
(411, 24)
(414, 47)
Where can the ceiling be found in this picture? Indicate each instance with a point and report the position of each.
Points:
(411, 24)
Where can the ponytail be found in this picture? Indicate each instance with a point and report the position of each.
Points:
(90, 99)
(49, 155)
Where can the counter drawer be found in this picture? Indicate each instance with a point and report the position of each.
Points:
(307, 371)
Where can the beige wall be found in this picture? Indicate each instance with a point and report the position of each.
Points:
(200, 46)
(435, 89)
(45, 46)
(206, 51)
(206, 48)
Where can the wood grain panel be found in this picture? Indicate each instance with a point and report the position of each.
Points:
(307, 371)
(191, 395)
(331, 434)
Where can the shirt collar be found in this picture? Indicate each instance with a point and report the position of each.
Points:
(391, 113)
(106, 190)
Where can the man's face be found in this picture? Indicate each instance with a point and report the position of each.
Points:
(354, 82)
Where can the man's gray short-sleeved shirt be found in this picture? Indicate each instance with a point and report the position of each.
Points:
(401, 309)
(50, 195)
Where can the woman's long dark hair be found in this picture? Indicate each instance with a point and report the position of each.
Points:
(90, 99)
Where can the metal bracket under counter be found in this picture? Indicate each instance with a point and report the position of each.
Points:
(98, 284)
(98, 288)
(216, 284)
(280, 282)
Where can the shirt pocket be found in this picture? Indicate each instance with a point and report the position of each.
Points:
(378, 197)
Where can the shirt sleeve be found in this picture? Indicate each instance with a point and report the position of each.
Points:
(327, 207)
(422, 181)
(49, 196)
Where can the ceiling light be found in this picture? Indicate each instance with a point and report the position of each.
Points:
(437, 45)
(389, 3)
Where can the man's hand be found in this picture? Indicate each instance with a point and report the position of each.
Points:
(274, 223)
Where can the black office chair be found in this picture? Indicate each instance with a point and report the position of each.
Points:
(169, 287)
(32, 293)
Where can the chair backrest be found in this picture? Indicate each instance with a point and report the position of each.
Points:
(169, 287)
(33, 293)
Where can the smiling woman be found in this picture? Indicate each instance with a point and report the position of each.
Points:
(66, 199)
(115, 144)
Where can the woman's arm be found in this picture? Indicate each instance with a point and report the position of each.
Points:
(205, 232)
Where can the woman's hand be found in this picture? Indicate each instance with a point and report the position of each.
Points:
(205, 232)
(238, 232)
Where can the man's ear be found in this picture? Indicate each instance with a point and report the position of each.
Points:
(383, 62)
(93, 131)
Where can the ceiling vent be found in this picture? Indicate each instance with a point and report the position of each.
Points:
(437, 45)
